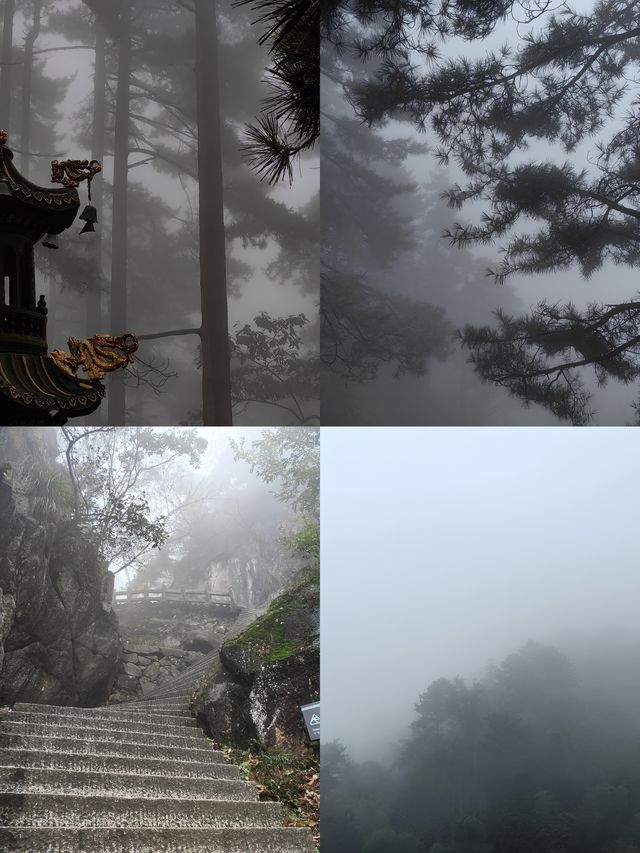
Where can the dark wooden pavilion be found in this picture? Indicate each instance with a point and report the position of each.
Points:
(37, 387)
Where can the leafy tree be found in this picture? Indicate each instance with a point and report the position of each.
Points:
(290, 458)
(272, 364)
(306, 541)
(117, 490)
(365, 328)
(570, 78)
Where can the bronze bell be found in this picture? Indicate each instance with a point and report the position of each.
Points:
(89, 215)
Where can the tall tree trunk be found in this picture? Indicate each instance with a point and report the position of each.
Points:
(118, 321)
(7, 59)
(27, 74)
(94, 321)
(216, 380)
(96, 286)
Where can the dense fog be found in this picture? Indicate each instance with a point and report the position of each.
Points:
(185, 509)
(399, 129)
(136, 85)
(480, 641)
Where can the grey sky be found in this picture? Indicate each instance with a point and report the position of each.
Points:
(444, 548)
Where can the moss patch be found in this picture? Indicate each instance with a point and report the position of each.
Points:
(284, 629)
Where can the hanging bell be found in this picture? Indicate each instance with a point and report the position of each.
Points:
(89, 215)
(4, 189)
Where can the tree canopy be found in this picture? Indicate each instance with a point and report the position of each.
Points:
(537, 755)
(289, 457)
(569, 80)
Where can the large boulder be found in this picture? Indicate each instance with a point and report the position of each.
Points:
(61, 640)
(266, 674)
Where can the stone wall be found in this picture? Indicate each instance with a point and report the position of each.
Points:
(141, 669)
(162, 639)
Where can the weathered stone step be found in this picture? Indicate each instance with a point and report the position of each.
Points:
(107, 714)
(188, 675)
(70, 811)
(179, 689)
(159, 715)
(117, 764)
(141, 724)
(43, 781)
(181, 693)
(172, 705)
(124, 748)
(190, 738)
(112, 840)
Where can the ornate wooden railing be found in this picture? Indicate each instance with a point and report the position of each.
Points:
(224, 599)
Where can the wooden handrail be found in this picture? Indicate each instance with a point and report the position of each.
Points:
(132, 596)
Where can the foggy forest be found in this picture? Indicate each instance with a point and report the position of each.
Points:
(205, 120)
(172, 508)
(480, 642)
(480, 186)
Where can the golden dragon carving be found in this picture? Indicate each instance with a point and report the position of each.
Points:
(72, 172)
(97, 355)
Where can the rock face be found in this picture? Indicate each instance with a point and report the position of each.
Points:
(61, 642)
(266, 673)
(253, 571)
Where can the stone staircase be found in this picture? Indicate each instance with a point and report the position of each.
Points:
(138, 777)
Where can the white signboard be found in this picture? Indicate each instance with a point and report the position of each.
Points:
(311, 714)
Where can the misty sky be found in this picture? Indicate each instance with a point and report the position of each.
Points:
(444, 548)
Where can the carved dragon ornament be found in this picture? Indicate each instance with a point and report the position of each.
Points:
(97, 355)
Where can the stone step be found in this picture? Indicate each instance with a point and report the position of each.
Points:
(190, 738)
(176, 685)
(182, 710)
(71, 811)
(178, 693)
(141, 724)
(117, 764)
(42, 781)
(148, 840)
(192, 673)
(106, 714)
(174, 704)
(154, 711)
(124, 748)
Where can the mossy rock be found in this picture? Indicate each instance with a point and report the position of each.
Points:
(288, 628)
(255, 691)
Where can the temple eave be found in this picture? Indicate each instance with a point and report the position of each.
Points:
(37, 383)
